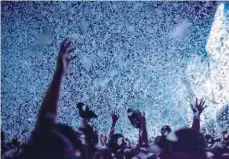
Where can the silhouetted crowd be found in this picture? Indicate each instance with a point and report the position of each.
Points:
(52, 140)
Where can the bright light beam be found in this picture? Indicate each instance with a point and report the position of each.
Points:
(218, 49)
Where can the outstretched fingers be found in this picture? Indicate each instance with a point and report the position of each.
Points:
(65, 41)
(71, 50)
(205, 107)
(203, 102)
(73, 57)
(66, 46)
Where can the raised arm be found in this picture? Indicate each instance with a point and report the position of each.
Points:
(197, 110)
(143, 134)
(114, 121)
(49, 107)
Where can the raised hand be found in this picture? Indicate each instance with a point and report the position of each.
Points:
(103, 140)
(85, 112)
(141, 117)
(64, 56)
(133, 116)
(143, 134)
(114, 120)
(115, 117)
(198, 108)
(49, 107)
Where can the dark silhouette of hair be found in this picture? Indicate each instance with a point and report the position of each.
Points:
(57, 142)
(191, 144)
(113, 142)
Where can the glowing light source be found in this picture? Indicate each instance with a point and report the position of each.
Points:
(218, 50)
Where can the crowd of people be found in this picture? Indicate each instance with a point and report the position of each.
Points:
(54, 140)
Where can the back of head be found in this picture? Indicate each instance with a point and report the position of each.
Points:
(58, 142)
(162, 142)
(190, 144)
(209, 140)
(189, 140)
(116, 142)
(133, 117)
